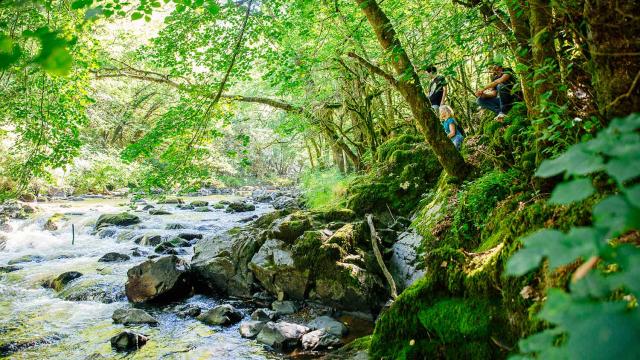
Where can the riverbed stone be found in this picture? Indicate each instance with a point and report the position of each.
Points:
(63, 279)
(224, 314)
(179, 242)
(96, 289)
(133, 317)
(168, 248)
(240, 206)
(289, 228)
(199, 203)
(119, 219)
(114, 257)
(251, 329)
(8, 269)
(171, 200)
(106, 232)
(282, 335)
(285, 307)
(128, 341)
(159, 212)
(406, 259)
(175, 226)
(26, 259)
(264, 315)
(274, 267)
(52, 222)
(328, 324)
(319, 340)
(202, 209)
(188, 310)
(150, 239)
(190, 236)
(164, 279)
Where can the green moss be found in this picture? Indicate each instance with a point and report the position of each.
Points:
(452, 320)
(310, 252)
(121, 219)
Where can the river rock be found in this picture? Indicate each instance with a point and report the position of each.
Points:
(218, 206)
(164, 279)
(273, 266)
(148, 207)
(250, 329)
(8, 269)
(179, 242)
(168, 248)
(281, 335)
(320, 339)
(263, 298)
(171, 200)
(174, 226)
(264, 315)
(284, 307)
(14, 209)
(221, 315)
(199, 203)
(52, 222)
(190, 236)
(120, 219)
(4, 223)
(106, 232)
(406, 259)
(26, 259)
(285, 202)
(133, 317)
(159, 212)
(114, 257)
(149, 240)
(93, 289)
(188, 310)
(240, 206)
(289, 228)
(63, 279)
(202, 209)
(128, 340)
(328, 324)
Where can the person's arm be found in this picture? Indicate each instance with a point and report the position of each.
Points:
(452, 130)
(494, 83)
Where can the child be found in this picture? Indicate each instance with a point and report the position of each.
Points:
(450, 125)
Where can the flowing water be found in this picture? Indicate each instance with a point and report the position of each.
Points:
(36, 323)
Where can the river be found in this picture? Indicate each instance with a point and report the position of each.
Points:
(37, 323)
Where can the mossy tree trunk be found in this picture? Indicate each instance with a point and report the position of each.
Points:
(408, 84)
(614, 46)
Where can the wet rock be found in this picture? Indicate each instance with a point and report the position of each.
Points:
(174, 226)
(171, 200)
(27, 197)
(4, 223)
(165, 279)
(348, 287)
(149, 240)
(281, 335)
(128, 341)
(106, 232)
(320, 339)
(63, 279)
(199, 203)
(168, 248)
(265, 315)
(8, 269)
(26, 259)
(190, 236)
(250, 329)
(137, 252)
(273, 266)
(186, 207)
(240, 206)
(284, 307)
(218, 206)
(114, 257)
(285, 202)
(202, 209)
(133, 317)
(16, 210)
(328, 324)
(159, 212)
(264, 196)
(248, 219)
(120, 219)
(92, 289)
(179, 242)
(148, 207)
(289, 228)
(52, 222)
(406, 260)
(263, 298)
(188, 310)
(221, 315)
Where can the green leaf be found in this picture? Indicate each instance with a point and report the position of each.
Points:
(616, 214)
(572, 191)
(530, 256)
(633, 195)
(539, 342)
(136, 15)
(624, 168)
(576, 161)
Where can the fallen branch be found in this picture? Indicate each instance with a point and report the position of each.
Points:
(376, 251)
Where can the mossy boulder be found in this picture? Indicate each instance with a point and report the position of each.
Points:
(289, 228)
(63, 279)
(406, 168)
(52, 222)
(120, 219)
(171, 200)
(164, 279)
(199, 203)
(273, 266)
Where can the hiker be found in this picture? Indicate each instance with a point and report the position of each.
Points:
(450, 125)
(498, 96)
(437, 87)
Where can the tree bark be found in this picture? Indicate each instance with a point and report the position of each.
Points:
(614, 46)
(408, 84)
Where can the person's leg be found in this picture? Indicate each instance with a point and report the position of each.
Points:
(492, 104)
(506, 99)
(457, 141)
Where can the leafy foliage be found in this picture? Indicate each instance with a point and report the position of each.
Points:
(599, 314)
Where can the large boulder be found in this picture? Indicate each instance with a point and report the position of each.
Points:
(282, 335)
(405, 264)
(26, 259)
(150, 239)
(291, 227)
(250, 329)
(349, 287)
(274, 267)
(120, 219)
(320, 339)
(224, 314)
(240, 206)
(163, 279)
(133, 317)
(128, 341)
(94, 288)
(264, 315)
(285, 307)
(159, 212)
(63, 279)
(114, 257)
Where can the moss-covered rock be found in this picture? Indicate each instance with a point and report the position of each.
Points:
(120, 219)
(289, 228)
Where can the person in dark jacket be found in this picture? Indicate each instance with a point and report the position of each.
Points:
(437, 90)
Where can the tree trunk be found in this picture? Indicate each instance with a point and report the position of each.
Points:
(614, 46)
(408, 84)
